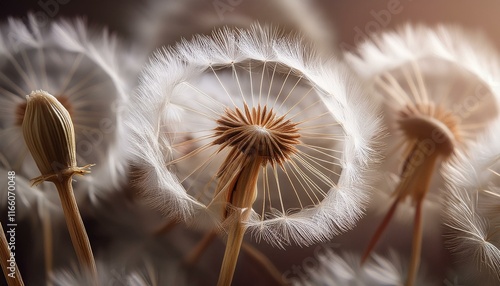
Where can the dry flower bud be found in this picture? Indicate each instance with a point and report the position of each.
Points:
(50, 137)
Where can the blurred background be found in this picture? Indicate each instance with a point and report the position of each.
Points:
(347, 20)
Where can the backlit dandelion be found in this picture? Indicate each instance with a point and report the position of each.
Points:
(251, 127)
(438, 88)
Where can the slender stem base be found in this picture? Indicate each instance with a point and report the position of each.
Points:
(380, 230)
(261, 259)
(165, 228)
(76, 229)
(242, 193)
(196, 253)
(416, 177)
(233, 246)
(13, 278)
(416, 246)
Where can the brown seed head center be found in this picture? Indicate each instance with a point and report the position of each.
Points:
(21, 108)
(258, 132)
(430, 122)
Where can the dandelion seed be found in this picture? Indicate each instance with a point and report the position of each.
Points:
(472, 207)
(439, 93)
(252, 128)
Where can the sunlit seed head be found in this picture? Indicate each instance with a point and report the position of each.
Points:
(258, 132)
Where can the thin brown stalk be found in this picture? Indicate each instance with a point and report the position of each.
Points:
(263, 261)
(416, 246)
(257, 137)
(12, 280)
(242, 196)
(47, 242)
(233, 246)
(76, 229)
(164, 228)
(380, 230)
(253, 253)
(200, 248)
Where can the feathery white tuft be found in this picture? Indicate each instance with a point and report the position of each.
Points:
(473, 206)
(346, 269)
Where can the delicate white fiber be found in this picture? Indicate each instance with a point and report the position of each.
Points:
(346, 269)
(473, 206)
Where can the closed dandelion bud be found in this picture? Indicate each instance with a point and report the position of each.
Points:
(50, 137)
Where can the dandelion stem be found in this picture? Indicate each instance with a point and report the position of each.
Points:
(257, 256)
(47, 242)
(76, 229)
(261, 259)
(200, 248)
(5, 255)
(231, 254)
(416, 176)
(380, 230)
(416, 246)
(165, 228)
(242, 195)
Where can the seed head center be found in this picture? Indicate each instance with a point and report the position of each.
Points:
(258, 132)
(430, 122)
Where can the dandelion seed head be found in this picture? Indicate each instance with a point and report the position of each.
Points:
(216, 105)
(438, 94)
(80, 68)
(418, 124)
(258, 132)
(435, 87)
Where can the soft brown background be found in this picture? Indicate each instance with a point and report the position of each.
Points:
(346, 16)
